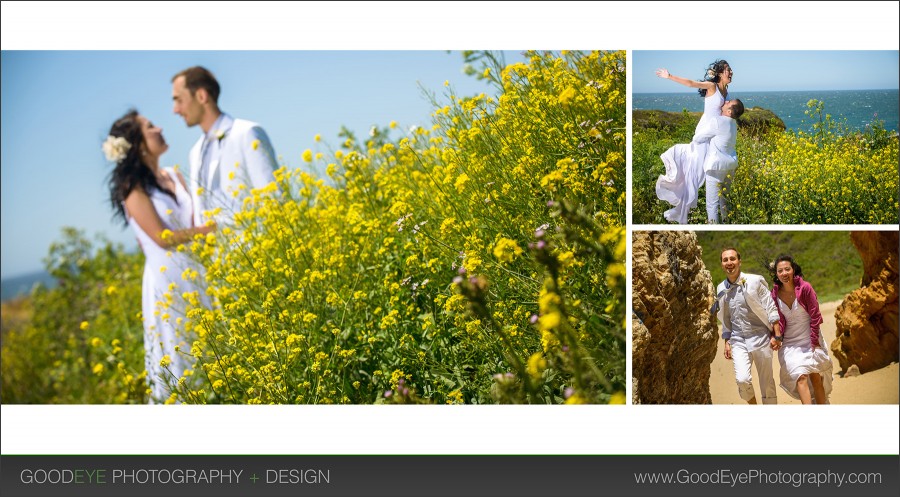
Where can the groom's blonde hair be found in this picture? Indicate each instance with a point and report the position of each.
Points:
(200, 77)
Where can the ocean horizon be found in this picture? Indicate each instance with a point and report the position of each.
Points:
(18, 286)
(858, 107)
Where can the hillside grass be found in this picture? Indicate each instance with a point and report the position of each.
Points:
(829, 260)
(831, 175)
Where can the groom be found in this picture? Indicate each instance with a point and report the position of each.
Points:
(721, 157)
(748, 315)
(231, 156)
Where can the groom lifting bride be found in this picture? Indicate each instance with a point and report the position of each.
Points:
(679, 185)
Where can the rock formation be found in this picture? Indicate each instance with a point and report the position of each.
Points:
(756, 121)
(867, 320)
(673, 334)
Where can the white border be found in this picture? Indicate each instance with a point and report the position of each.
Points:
(644, 429)
(440, 25)
(629, 308)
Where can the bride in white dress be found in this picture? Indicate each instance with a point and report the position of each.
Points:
(806, 367)
(680, 185)
(156, 204)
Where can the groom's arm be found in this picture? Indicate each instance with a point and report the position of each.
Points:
(260, 158)
(718, 310)
(708, 131)
(197, 200)
(765, 298)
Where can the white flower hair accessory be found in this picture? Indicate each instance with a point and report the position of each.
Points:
(116, 148)
(710, 73)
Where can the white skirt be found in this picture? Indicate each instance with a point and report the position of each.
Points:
(680, 184)
(797, 360)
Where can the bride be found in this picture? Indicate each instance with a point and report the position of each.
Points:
(680, 185)
(156, 204)
(806, 367)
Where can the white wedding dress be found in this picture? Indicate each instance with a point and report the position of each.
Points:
(163, 307)
(797, 356)
(680, 184)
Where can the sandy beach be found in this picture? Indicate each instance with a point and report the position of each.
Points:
(875, 387)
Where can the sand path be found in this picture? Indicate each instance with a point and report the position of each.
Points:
(875, 387)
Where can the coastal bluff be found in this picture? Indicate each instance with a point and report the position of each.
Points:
(755, 120)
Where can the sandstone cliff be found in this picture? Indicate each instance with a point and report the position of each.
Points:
(673, 335)
(867, 319)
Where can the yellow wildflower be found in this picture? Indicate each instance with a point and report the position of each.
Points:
(576, 398)
(550, 321)
(461, 181)
(507, 250)
(566, 95)
(536, 365)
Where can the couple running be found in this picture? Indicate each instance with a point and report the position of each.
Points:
(756, 322)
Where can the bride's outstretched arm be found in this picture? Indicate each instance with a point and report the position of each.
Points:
(140, 207)
(690, 83)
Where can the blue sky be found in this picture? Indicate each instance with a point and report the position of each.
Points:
(58, 107)
(771, 70)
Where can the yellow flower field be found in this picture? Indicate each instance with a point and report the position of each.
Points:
(480, 260)
(828, 175)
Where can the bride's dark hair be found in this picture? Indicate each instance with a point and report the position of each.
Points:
(130, 171)
(773, 267)
(716, 67)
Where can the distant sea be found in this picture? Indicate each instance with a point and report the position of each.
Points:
(11, 288)
(858, 107)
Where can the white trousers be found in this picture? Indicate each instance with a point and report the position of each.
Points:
(716, 203)
(742, 359)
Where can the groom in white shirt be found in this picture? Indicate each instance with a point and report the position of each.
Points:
(233, 155)
(750, 327)
(721, 157)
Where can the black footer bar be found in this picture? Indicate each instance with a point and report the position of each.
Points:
(444, 475)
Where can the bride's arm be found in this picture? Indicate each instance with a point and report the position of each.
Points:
(140, 207)
(690, 83)
(184, 184)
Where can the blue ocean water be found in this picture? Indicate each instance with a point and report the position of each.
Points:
(11, 288)
(858, 107)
